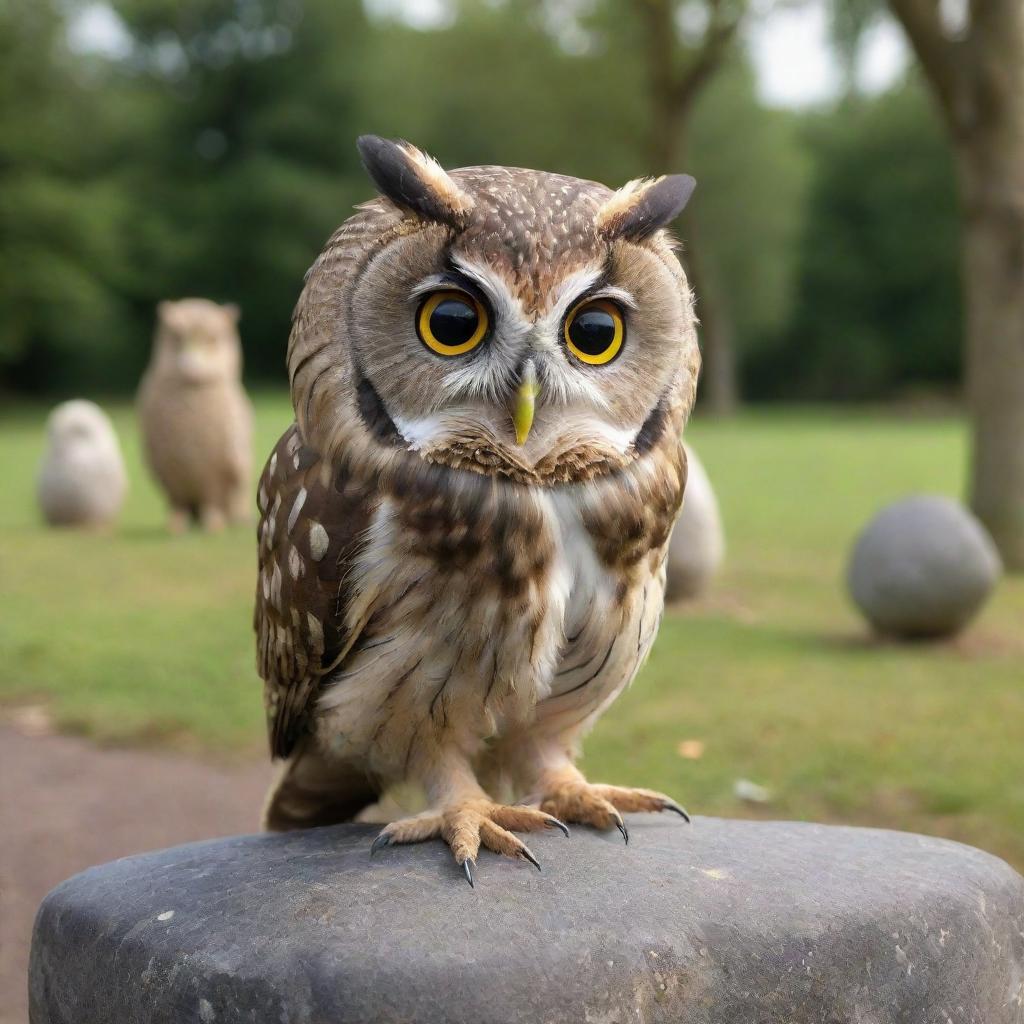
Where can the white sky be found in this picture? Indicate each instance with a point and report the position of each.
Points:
(794, 64)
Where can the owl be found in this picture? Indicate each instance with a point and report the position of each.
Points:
(82, 479)
(195, 416)
(463, 534)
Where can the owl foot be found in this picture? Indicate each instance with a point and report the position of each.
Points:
(599, 806)
(468, 825)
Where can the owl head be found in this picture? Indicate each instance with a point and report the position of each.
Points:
(196, 341)
(79, 424)
(505, 321)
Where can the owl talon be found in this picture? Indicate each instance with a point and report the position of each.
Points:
(526, 855)
(621, 826)
(553, 822)
(601, 806)
(469, 824)
(382, 840)
(671, 805)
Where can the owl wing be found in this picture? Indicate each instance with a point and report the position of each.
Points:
(310, 532)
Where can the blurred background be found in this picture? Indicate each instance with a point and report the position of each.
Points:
(856, 232)
(156, 149)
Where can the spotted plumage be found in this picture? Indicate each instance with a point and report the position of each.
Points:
(462, 537)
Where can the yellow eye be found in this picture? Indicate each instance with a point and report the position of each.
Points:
(595, 331)
(451, 323)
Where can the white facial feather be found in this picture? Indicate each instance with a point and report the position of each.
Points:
(493, 374)
(518, 336)
(507, 308)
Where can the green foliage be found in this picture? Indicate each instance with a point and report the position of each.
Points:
(62, 215)
(216, 157)
(497, 88)
(774, 671)
(753, 171)
(879, 310)
(252, 165)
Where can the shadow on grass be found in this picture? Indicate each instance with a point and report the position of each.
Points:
(976, 643)
(970, 645)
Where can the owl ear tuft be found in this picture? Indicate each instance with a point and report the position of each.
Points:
(644, 206)
(414, 181)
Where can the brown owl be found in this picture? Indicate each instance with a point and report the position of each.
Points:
(195, 416)
(463, 535)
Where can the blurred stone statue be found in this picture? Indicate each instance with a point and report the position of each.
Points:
(697, 546)
(195, 416)
(82, 480)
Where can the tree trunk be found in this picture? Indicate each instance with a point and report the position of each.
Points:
(719, 393)
(992, 184)
(718, 390)
(977, 78)
(986, 118)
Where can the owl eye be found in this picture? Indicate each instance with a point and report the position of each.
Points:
(451, 323)
(595, 331)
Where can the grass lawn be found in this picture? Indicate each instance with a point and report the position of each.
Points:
(140, 637)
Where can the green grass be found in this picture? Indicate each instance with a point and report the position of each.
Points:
(137, 636)
(133, 634)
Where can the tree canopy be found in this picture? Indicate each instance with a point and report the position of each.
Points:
(217, 154)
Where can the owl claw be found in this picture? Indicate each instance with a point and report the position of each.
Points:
(621, 826)
(553, 822)
(526, 855)
(671, 805)
(382, 840)
(468, 825)
(601, 806)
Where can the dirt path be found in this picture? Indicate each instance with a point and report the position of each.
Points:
(66, 805)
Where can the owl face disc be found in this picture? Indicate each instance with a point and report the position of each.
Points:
(509, 322)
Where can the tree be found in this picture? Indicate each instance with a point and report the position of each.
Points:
(250, 164)
(879, 310)
(976, 75)
(582, 105)
(678, 73)
(63, 220)
(754, 170)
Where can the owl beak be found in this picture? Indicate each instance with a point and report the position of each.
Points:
(525, 400)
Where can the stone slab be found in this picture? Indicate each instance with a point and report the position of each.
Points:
(721, 922)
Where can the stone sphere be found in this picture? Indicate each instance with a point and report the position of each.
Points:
(923, 567)
(82, 479)
(697, 546)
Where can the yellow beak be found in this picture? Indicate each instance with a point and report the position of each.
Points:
(525, 401)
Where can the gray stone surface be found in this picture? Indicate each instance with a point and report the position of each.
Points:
(697, 545)
(923, 567)
(721, 922)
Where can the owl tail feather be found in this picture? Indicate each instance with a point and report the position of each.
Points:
(311, 791)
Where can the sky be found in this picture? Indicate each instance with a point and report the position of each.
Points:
(794, 63)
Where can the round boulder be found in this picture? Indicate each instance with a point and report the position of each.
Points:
(923, 567)
(697, 546)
